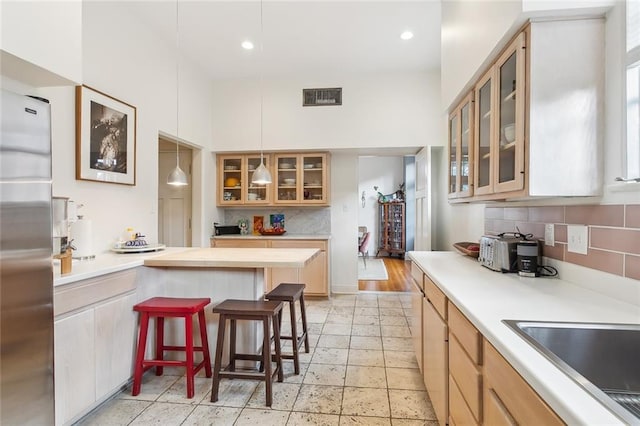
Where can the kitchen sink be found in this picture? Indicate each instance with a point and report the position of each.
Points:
(602, 358)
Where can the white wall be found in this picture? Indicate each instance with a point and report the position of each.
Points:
(387, 173)
(344, 223)
(45, 33)
(378, 110)
(133, 65)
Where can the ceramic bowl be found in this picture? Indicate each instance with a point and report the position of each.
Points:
(289, 181)
(510, 132)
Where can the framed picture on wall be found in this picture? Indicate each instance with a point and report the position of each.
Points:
(105, 138)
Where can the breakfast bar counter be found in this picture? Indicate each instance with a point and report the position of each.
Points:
(235, 258)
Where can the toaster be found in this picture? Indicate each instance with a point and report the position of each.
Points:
(499, 253)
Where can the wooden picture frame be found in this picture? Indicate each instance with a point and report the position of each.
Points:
(105, 138)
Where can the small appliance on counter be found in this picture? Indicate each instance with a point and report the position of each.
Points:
(499, 253)
(529, 258)
(225, 230)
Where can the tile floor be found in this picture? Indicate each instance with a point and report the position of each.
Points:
(361, 370)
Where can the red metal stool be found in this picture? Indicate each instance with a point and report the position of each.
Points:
(172, 307)
(289, 293)
(259, 310)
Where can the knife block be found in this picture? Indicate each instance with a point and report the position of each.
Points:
(65, 262)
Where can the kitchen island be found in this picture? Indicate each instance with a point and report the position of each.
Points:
(96, 327)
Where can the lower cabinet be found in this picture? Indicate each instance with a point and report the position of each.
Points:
(314, 275)
(468, 381)
(508, 399)
(94, 340)
(435, 360)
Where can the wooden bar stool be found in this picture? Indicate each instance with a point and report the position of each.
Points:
(287, 292)
(258, 310)
(171, 307)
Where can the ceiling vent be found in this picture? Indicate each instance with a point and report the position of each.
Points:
(322, 97)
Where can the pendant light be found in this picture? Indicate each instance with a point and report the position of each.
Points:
(261, 175)
(177, 177)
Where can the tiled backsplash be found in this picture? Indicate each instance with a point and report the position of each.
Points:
(614, 233)
(296, 221)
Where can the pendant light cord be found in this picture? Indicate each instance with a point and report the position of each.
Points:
(177, 85)
(261, 84)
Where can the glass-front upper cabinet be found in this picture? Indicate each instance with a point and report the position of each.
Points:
(461, 149)
(257, 194)
(301, 178)
(483, 176)
(510, 73)
(230, 176)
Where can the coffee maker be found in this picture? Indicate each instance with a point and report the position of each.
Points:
(529, 258)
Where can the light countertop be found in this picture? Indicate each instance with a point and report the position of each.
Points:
(488, 297)
(286, 236)
(235, 258)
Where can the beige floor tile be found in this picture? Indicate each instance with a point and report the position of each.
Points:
(310, 419)
(341, 310)
(366, 296)
(343, 300)
(330, 356)
(289, 374)
(305, 357)
(233, 393)
(409, 404)
(178, 392)
(389, 302)
(365, 342)
(396, 343)
(253, 416)
(400, 359)
(319, 399)
(337, 329)
(116, 412)
(366, 319)
(365, 330)
(212, 416)
(163, 413)
(318, 317)
(284, 395)
(367, 303)
(339, 319)
(325, 374)
(366, 377)
(395, 331)
(365, 402)
(366, 357)
(364, 421)
(314, 328)
(371, 311)
(333, 341)
(389, 320)
(408, 312)
(152, 387)
(407, 422)
(393, 312)
(405, 378)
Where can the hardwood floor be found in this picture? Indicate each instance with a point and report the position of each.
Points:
(399, 271)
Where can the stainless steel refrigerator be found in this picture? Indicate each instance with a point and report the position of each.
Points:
(26, 276)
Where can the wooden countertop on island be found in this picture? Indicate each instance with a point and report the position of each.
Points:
(235, 258)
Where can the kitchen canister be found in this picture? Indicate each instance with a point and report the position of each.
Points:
(82, 235)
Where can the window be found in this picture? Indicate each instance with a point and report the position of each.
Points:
(632, 163)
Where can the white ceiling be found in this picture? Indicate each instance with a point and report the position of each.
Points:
(317, 37)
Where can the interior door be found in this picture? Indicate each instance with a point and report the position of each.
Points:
(174, 202)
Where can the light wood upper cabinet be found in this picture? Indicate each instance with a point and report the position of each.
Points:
(461, 149)
(234, 180)
(298, 179)
(301, 179)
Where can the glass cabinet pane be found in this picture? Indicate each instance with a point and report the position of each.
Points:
(453, 152)
(484, 135)
(313, 170)
(465, 145)
(232, 179)
(286, 178)
(507, 159)
(256, 193)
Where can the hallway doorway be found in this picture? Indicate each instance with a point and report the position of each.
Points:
(174, 202)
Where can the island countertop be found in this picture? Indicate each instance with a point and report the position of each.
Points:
(235, 258)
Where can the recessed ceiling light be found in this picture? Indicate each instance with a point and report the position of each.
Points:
(247, 45)
(407, 35)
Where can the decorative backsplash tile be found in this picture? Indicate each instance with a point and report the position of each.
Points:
(297, 221)
(614, 233)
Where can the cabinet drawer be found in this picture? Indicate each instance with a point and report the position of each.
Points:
(321, 245)
(436, 297)
(417, 275)
(238, 243)
(509, 392)
(468, 336)
(465, 374)
(459, 412)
